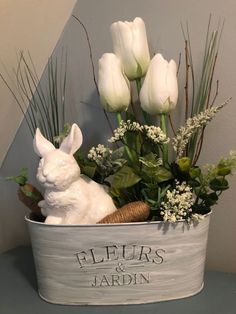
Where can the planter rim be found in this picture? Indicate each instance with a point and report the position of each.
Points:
(107, 225)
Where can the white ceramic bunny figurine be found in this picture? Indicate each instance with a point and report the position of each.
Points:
(70, 197)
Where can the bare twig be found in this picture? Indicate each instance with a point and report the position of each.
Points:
(90, 51)
(93, 68)
(216, 93)
(199, 147)
(201, 138)
(171, 124)
(179, 63)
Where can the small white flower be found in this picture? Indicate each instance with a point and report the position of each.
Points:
(192, 125)
(155, 134)
(119, 133)
(178, 203)
(99, 153)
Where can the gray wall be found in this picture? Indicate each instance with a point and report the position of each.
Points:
(162, 20)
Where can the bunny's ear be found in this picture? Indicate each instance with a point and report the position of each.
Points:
(73, 141)
(41, 145)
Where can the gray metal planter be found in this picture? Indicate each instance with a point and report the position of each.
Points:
(120, 263)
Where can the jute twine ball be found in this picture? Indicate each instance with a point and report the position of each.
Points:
(131, 212)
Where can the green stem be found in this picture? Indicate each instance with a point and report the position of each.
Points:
(165, 146)
(138, 85)
(127, 150)
(145, 114)
(118, 118)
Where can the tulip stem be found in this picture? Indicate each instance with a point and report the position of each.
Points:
(145, 114)
(163, 123)
(118, 118)
(127, 150)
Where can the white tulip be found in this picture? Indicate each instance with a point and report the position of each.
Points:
(131, 46)
(159, 92)
(113, 85)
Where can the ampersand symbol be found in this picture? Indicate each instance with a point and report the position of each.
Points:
(120, 268)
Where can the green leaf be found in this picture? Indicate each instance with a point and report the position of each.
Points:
(194, 183)
(79, 156)
(152, 170)
(124, 178)
(201, 208)
(154, 173)
(129, 116)
(88, 170)
(150, 195)
(223, 170)
(118, 153)
(211, 199)
(114, 192)
(87, 167)
(213, 196)
(21, 179)
(203, 196)
(219, 184)
(195, 172)
(138, 143)
(150, 160)
(162, 174)
(134, 142)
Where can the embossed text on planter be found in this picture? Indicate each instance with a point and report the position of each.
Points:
(119, 265)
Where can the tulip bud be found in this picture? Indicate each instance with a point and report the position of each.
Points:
(131, 46)
(159, 92)
(113, 85)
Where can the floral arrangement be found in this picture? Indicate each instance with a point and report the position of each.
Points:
(147, 159)
(149, 165)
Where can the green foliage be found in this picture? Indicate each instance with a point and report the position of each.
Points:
(65, 131)
(124, 178)
(42, 106)
(87, 167)
(184, 164)
(145, 178)
(104, 168)
(201, 93)
(140, 167)
(156, 174)
(21, 179)
(194, 172)
(219, 184)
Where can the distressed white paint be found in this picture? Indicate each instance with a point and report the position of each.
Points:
(66, 269)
